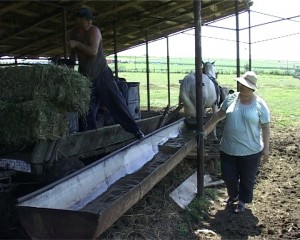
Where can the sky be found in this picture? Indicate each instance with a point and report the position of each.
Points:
(274, 41)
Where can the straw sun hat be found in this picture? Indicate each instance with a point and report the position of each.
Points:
(249, 79)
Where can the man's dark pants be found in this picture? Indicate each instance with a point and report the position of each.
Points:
(239, 174)
(106, 92)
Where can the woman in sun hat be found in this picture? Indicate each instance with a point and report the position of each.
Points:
(245, 139)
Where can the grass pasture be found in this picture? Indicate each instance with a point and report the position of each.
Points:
(282, 93)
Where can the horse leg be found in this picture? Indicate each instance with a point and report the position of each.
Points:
(189, 107)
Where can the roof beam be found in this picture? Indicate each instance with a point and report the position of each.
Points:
(36, 23)
(12, 7)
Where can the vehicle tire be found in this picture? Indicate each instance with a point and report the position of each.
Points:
(7, 214)
(63, 168)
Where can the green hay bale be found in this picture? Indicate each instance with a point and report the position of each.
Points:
(66, 89)
(26, 123)
(34, 101)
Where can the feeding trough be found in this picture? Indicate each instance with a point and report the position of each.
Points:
(84, 204)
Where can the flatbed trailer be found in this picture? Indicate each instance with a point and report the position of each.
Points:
(69, 153)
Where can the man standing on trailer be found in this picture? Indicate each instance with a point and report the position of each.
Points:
(87, 46)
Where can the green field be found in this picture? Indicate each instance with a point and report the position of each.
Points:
(280, 92)
(276, 82)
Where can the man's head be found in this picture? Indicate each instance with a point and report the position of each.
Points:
(85, 13)
(84, 18)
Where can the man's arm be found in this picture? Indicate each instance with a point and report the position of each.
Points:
(73, 55)
(212, 122)
(91, 49)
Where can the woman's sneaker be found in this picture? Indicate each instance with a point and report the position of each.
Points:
(240, 207)
(231, 201)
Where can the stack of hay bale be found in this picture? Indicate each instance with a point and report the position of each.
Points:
(34, 101)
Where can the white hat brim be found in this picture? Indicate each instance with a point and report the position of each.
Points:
(246, 83)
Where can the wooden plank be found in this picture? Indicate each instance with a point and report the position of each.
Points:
(84, 142)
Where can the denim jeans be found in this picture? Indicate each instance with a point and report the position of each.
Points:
(239, 174)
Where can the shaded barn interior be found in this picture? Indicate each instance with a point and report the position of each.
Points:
(30, 29)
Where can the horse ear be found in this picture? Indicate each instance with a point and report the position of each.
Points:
(203, 63)
(213, 62)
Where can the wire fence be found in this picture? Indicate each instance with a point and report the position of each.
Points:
(223, 66)
(186, 65)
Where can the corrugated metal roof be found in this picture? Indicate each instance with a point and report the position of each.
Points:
(36, 28)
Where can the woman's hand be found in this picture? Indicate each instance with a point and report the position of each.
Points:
(265, 154)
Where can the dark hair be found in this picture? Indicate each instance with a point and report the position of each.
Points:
(85, 13)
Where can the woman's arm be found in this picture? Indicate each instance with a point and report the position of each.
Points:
(212, 122)
(266, 140)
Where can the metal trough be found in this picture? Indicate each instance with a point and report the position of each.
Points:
(83, 205)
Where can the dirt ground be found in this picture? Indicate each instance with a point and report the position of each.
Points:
(274, 213)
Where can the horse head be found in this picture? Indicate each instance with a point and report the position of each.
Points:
(209, 69)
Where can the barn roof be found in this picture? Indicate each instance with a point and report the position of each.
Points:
(36, 28)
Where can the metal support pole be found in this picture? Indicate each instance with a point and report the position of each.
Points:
(168, 72)
(249, 33)
(199, 104)
(238, 73)
(64, 15)
(147, 67)
(115, 50)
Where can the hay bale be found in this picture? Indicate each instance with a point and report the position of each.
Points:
(34, 102)
(66, 89)
(28, 122)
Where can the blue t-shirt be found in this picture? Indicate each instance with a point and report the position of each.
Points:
(242, 129)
